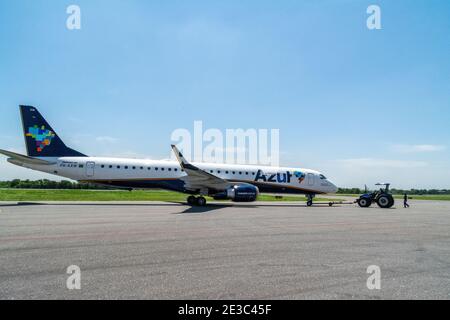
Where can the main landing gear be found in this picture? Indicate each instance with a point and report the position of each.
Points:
(310, 197)
(196, 201)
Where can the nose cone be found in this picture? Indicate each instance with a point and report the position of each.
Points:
(332, 188)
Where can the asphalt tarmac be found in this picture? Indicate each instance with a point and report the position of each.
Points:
(224, 251)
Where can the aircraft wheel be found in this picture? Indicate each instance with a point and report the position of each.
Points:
(201, 201)
(309, 203)
(191, 200)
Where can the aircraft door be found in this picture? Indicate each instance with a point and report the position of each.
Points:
(311, 179)
(90, 167)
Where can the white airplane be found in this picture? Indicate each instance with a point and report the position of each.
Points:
(46, 152)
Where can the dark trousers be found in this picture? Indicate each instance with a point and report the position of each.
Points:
(405, 205)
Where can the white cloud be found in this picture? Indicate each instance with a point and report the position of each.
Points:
(106, 139)
(356, 172)
(381, 163)
(233, 150)
(417, 148)
(207, 32)
(20, 150)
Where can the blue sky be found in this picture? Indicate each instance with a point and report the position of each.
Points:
(360, 105)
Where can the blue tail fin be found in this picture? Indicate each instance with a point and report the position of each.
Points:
(40, 138)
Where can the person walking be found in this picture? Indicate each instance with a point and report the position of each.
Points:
(405, 201)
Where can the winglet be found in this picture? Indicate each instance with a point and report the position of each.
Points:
(183, 162)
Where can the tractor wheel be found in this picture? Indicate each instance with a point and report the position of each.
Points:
(391, 202)
(385, 201)
(364, 202)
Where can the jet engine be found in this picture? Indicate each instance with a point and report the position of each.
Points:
(239, 193)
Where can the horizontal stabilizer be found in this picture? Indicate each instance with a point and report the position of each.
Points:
(25, 159)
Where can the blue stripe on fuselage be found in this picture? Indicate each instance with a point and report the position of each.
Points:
(169, 184)
(178, 185)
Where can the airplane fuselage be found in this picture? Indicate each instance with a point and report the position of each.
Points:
(46, 152)
(148, 174)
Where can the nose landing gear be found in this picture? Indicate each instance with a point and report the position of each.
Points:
(310, 197)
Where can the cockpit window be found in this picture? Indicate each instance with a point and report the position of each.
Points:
(322, 177)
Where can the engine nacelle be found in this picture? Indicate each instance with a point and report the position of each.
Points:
(239, 193)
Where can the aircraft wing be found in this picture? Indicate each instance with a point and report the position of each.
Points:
(197, 178)
(24, 159)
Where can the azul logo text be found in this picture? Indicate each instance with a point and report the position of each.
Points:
(274, 177)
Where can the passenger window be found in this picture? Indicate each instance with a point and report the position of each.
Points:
(134, 167)
(148, 168)
(102, 165)
(226, 172)
(156, 168)
(142, 168)
(118, 167)
(162, 169)
(170, 169)
(175, 169)
(234, 172)
(246, 173)
(80, 166)
(110, 166)
(240, 172)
